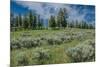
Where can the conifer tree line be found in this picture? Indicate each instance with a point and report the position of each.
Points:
(59, 21)
(28, 21)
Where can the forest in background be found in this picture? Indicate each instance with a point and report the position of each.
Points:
(34, 22)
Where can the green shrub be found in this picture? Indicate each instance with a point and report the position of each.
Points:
(28, 42)
(15, 43)
(23, 59)
(82, 53)
(25, 34)
(50, 40)
(57, 40)
(66, 39)
(41, 56)
(78, 35)
(24, 42)
(13, 61)
(53, 40)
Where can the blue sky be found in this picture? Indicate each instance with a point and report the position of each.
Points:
(76, 12)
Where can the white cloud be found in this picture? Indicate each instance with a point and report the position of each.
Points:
(74, 15)
(39, 7)
(44, 9)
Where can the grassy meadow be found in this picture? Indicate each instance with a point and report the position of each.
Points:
(36, 47)
(51, 33)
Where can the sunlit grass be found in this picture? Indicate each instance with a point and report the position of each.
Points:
(57, 52)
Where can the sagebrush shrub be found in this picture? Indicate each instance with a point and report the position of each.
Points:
(57, 40)
(41, 55)
(92, 43)
(15, 43)
(25, 42)
(43, 38)
(82, 53)
(23, 59)
(25, 34)
(78, 35)
(50, 40)
(66, 39)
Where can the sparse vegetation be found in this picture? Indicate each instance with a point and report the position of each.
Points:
(82, 53)
(52, 46)
(51, 37)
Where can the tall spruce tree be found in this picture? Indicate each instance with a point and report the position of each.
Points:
(25, 22)
(61, 18)
(52, 22)
(11, 20)
(39, 22)
(30, 20)
(34, 22)
(17, 21)
(20, 20)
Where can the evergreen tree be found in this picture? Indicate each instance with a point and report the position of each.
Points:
(65, 16)
(77, 24)
(19, 20)
(25, 22)
(12, 22)
(72, 24)
(61, 18)
(11, 19)
(34, 24)
(30, 20)
(52, 22)
(39, 22)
